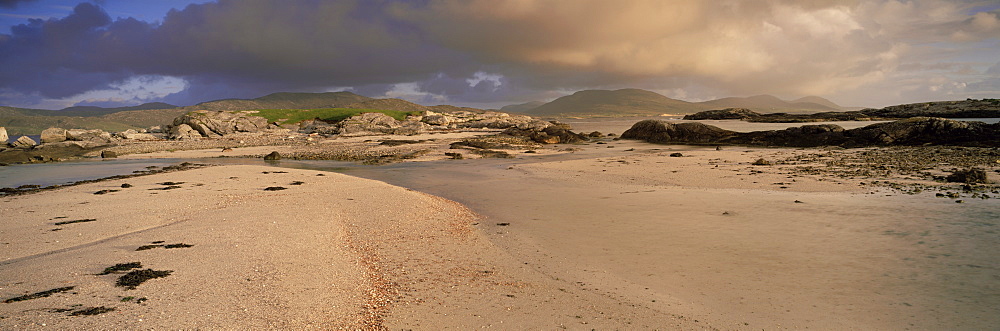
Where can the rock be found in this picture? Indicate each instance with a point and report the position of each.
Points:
(970, 176)
(273, 156)
(155, 129)
(97, 136)
(553, 134)
(106, 154)
(23, 142)
(53, 135)
(676, 155)
(183, 132)
(655, 131)
(911, 132)
(595, 134)
(761, 162)
(433, 118)
(218, 123)
(134, 135)
(723, 114)
(3, 135)
(368, 124)
(454, 156)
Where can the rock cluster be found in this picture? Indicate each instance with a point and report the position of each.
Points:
(209, 123)
(378, 124)
(910, 132)
(752, 116)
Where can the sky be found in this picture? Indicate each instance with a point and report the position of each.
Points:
(490, 53)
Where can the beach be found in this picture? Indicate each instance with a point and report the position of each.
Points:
(613, 234)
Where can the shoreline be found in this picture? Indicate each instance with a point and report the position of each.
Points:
(609, 234)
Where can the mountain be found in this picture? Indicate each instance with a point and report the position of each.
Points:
(624, 102)
(817, 100)
(93, 111)
(285, 100)
(522, 107)
(770, 103)
(21, 121)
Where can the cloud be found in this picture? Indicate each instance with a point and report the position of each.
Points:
(10, 4)
(488, 51)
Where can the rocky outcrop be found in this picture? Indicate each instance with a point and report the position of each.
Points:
(752, 116)
(135, 135)
(554, 134)
(95, 136)
(217, 123)
(53, 135)
(23, 142)
(183, 132)
(969, 108)
(911, 132)
(723, 114)
(373, 124)
(662, 132)
(3, 135)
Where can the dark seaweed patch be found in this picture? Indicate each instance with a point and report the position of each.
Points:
(170, 183)
(157, 242)
(92, 311)
(171, 187)
(297, 183)
(76, 221)
(41, 294)
(105, 192)
(275, 188)
(180, 245)
(145, 247)
(121, 267)
(136, 277)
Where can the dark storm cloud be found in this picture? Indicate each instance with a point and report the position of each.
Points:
(247, 48)
(12, 3)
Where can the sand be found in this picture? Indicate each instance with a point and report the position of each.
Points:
(335, 252)
(618, 235)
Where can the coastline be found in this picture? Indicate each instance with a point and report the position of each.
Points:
(601, 235)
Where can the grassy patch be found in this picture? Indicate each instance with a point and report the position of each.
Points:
(291, 116)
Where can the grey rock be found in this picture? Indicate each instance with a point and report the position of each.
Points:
(3, 135)
(218, 123)
(134, 135)
(108, 154)
(53, 135)
(273, 156)
(183, 132)
(98, 136)
(23, 142)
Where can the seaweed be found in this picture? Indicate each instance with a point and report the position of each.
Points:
(92, 311)
(180, 245)
(145, 247)
(76, 221)
(41, 294)
(121, 267)
(171, 187)
(275, 188)
(136, 277)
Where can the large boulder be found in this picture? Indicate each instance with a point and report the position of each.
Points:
(183, 132)
(554, 133)
(53, 135)
(97, 136)
(210, 123)
(656, 131)
(23, 142)
(3, 135)
(433, 118)
(368, 124)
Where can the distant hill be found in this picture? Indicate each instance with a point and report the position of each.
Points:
(285, 100)
(93, 111)
(522, 107)
(624, 102)
(770, 103)
(20, 121)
